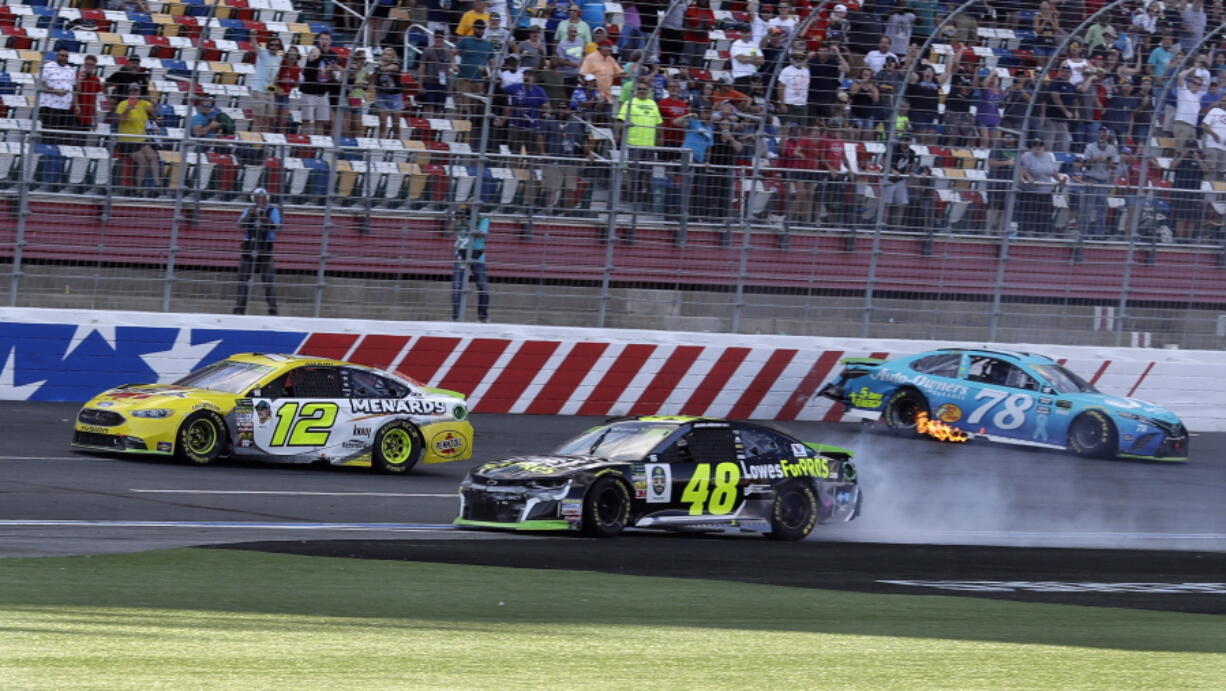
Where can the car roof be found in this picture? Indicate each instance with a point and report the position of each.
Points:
(281, 360)
(1021, 356)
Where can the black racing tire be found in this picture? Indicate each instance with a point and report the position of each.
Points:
(1093, 435)
(794, 512)
(902, 410)
(397, 448)
(606, 508)
(201, 438)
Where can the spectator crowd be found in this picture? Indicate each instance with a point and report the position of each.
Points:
(1056, 113)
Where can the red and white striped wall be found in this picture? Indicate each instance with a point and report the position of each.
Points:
(568, 371)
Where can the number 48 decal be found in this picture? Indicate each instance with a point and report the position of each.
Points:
(310, 426)
(718, 499)
(1011, 416)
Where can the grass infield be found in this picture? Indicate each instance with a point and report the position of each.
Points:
(189, 618)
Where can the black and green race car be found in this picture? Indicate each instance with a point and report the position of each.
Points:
(667, 473)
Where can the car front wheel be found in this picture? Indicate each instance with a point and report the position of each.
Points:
(396, 449)
(606, 508)
(1092, 435)
(201, 438)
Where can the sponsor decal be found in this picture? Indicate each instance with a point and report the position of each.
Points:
(949, 388)
(659, 483)
(105, 404)
(1044, 400)
(246, 443)
(165, 446)
(949, 412)
(763, 471)
(844, 497)
(1128, 437)
(1069, 587)
(353, 444)
(392, 406)
(640, 489)
(1064, 404)
(805, 467)
(800, 450)
(206, 406)
(447, 443)
(361, 431)
(751, 490)
(1043, 410)
(91, 428)
(865, 398)
(699, 425)
(572, 508)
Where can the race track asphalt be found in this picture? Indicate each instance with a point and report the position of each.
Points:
(55, 501)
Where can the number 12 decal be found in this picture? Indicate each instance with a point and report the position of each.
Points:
(310, 426)
(717, 500)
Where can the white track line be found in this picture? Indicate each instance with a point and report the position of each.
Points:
(245, 525)
(288, 493)
(52, 458)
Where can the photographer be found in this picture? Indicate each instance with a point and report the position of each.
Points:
(471, 232)
(259, 224)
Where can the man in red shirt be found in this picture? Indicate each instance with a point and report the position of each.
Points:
(830, 158)
(672, 106)
(699, 20)
(89, 86)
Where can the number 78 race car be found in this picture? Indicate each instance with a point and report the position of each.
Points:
(282, 408)
(1015, 398)
(667, 473)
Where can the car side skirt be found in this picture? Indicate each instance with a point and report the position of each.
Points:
(111, 449)
(539, 524)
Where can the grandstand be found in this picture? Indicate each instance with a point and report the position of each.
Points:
(1051, 171)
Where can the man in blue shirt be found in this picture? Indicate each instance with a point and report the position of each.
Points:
(259, 223)
(475, 54)
(471, 232)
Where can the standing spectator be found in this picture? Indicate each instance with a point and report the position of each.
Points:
(552, 82)
(638, 119)
(830, 156)
(1101, 35)
(129, 73)
(440, 15)
(1098, 173)
(699, 135)
(498, 35)
(318, 74)
(1160, 57)
(471, 233)
(533, 52)
(800, 159)
(1194, 22)
(923, 97)
(987, 111)
(897, 180)
(875, 59)
(746, 58)
(289, 76)
(786, 20)
(1120, 110)
(1187, 107)
(825, 69)
(573, 21)
(673, 106)
(1000, 176)
(898, 29)
(672, 28)
(209, 122)
(88, 88)
(793, 88)
(432, 70)
(604, 67)
(511, 73)
(566, 145)
(358, 85)
(131, 118)
(389, 94)
(476, 57)
(259, 223)
(262, 85)
(524, 113)
(699, 20)
(716, 181)
(568, 55)
(865, 97)
(1038, 179)
(1214, 145)
(1188, 208)
(55, 83)
(1060, 97)
(959, 123)
(478, 13)
(332, 60)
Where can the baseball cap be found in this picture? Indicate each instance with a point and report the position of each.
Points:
(840, 8)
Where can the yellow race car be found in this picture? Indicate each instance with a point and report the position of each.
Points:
(282, 408)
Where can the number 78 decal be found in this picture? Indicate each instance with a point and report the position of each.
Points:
(1011, 416)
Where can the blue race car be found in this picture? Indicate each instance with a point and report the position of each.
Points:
(1015, 398)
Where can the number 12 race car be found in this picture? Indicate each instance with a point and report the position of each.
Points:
(283, 408)
(1015, 398)
(670, 473)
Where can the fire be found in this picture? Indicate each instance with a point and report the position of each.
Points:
(937, 429)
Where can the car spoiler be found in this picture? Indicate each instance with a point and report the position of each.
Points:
(829, 449)
(861, 361)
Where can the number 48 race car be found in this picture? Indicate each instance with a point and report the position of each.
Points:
(669, 473)
(283, 408)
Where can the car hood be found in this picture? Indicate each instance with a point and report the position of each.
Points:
(533, 467)
(135, 396)
(1118, 404)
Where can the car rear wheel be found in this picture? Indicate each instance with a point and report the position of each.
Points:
(903, 408)
(606, 508)
(1092, 435)
(794, 512)
(397, 448)
(201, 438)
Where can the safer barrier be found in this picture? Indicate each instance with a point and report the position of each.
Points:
(68, 355)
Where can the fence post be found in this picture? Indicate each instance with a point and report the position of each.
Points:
(23, 212)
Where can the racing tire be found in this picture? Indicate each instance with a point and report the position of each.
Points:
(397, 448)
(606, 508)
(1092, 435)
(794, 512)
(201, 438)
(903, 408)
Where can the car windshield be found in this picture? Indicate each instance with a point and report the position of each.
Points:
(226, 376)
(1064, 380)
(620, 441)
